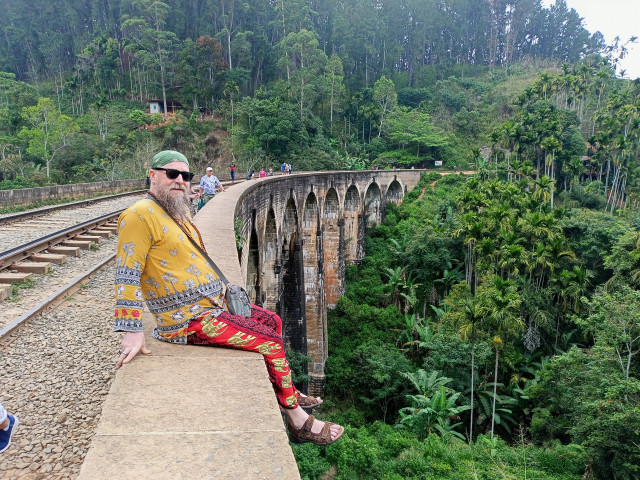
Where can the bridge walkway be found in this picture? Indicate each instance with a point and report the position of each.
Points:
(193, 412)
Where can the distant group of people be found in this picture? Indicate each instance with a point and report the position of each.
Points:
(261, 174)
(286, 169)
(209, 183)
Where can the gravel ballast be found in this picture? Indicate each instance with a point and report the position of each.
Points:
(57, 370)
(17, 233)
(58, 367)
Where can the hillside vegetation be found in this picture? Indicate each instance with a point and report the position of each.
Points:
(488, 335)
(322, 85)
(493, 329)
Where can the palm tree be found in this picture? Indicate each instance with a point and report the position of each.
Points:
(471, 230)
(433, 406)
(500, 304)
(575, 168)
(468, 331)
(395, 280)
(544, 187)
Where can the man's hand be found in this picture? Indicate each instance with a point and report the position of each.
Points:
(132, 343)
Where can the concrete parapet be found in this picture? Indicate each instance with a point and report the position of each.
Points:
(190, 412)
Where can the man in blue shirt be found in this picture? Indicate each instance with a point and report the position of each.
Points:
(208, 184)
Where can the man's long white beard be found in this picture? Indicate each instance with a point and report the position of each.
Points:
(176, 204)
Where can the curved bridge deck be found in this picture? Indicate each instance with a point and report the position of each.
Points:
(193, 412)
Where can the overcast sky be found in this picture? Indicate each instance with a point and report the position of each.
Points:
(613, 18)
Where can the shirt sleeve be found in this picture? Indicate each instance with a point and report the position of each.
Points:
(134, 241)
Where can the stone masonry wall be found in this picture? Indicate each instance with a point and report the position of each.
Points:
(27, 196)
(299, 231)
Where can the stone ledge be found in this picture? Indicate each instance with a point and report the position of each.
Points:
(190, 412)
(193, 412)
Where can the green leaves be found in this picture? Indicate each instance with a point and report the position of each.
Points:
(433, 407)
(49, 130)
(415, 128)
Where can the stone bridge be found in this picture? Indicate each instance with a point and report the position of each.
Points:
(297, 233)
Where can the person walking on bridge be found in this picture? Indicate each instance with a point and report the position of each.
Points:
(158, 265)
(208, 186)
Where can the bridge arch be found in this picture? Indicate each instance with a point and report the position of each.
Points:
(271, 266)
(300, 231)
(394, 193)
(253, 269)
(353, 236)
(373, 207)
(315, 311)
(334, 248)
(291, 301)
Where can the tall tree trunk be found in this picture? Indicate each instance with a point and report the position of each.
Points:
(229, 48)
(606, 183)
(164, 88)
(495, 394)
(473, 364)
(553, 175)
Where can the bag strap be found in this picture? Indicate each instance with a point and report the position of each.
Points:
(195, 244)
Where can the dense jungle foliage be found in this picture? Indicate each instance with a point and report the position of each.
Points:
(491, 331)
(488, 335)
(322, 84)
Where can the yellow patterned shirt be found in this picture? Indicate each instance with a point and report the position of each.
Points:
(157, 263)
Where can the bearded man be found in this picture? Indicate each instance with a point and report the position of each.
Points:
(157, 263)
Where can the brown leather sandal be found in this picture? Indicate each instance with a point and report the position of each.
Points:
(304, 434)
(309, 402)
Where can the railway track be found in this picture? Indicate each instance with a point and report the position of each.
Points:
(57, 346)
(37, 257)
(71, 239)
(14, 217)
(18, 229)
(50, 251)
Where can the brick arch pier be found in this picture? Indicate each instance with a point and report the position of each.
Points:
(298, 232)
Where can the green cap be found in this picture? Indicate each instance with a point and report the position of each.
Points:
(167, 156)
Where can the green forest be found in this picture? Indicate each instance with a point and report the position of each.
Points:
(488, 335)
(491, 330)
(321, 84)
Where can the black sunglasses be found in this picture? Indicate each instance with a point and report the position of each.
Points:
(173, 174)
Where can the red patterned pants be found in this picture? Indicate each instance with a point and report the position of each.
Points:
(261, 332)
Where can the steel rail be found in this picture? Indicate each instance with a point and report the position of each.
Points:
(56, 298)
(23, 252)
(63, 206)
